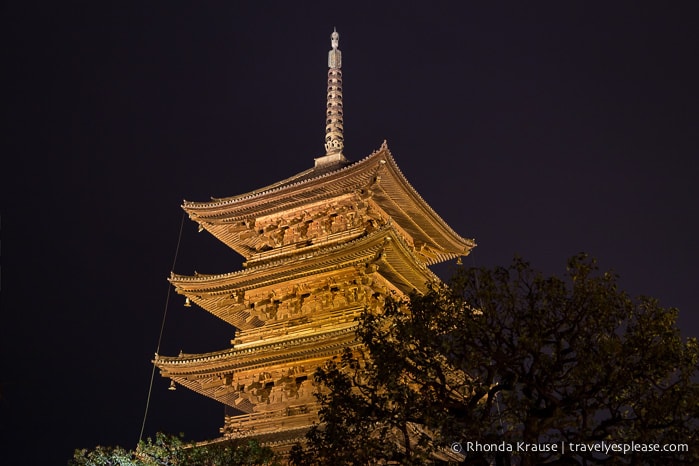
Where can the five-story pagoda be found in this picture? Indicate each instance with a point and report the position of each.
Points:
(319, 248)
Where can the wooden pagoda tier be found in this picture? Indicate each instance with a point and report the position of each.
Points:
(271, 383)
(320, 248)
(274, 294)
(329, 204)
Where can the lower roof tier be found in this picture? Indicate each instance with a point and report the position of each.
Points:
(266, 377)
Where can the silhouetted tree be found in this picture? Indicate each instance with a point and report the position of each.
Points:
(507, 355)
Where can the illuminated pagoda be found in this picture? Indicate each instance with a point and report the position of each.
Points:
(319, 248)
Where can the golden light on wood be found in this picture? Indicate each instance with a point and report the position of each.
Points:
(320, 248)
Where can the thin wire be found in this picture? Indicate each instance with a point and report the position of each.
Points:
(162, 327)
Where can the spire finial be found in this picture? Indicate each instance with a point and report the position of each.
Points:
(334, 137)
(334, 39)
(334, 56)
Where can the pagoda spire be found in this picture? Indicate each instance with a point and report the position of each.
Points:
(334, 129)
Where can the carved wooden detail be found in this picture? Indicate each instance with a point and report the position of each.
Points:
(322, 224)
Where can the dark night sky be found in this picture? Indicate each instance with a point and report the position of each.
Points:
(539, 130)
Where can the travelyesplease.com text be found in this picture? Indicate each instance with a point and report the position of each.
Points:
(606, 448)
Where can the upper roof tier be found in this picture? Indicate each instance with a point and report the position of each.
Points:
(244, 222)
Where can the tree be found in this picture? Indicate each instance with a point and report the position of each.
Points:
(168, 450)
(508, 359)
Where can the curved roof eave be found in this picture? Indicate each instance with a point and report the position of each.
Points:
(278, 196)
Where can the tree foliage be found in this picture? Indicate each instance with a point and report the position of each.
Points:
(168, 450)
(507, 355)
